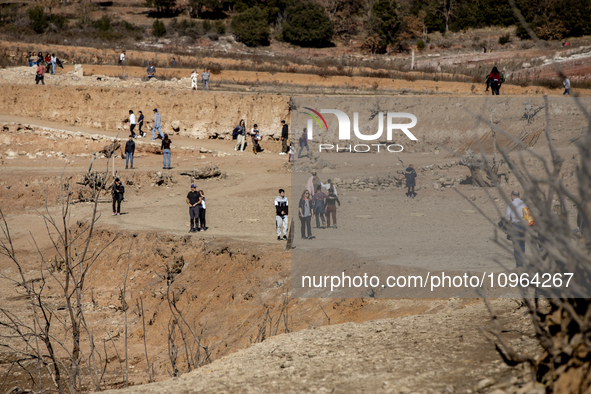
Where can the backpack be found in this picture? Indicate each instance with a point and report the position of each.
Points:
(527, 217)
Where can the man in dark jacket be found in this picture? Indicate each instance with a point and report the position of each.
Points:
(284, 138)
(410, 174)
(117, 191)
(129, 151)
(194, 203)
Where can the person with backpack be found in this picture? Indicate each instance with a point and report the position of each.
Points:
(495, 78)
(40, 74)
(305, 214)
(331, 207)
(202, 225)
(194, 203)
(411, 175)
(517, 216)
(319, 206)
(240, 132)
(304, 143)
(117, 191)
(256, 137)
(129, 151)
(281, 214)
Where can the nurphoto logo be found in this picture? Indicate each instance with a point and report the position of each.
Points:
(345, 129)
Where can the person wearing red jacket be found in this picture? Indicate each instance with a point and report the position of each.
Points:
(495, 81)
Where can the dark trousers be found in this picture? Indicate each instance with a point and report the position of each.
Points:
(518, 238)
(40, 78)
(306, 224)
(331, 210)
(117, 202)
(495, 88)
(202, 218)
(319, 216)
(131, 127)
(140, 124)
(194, 215)
(284, 147)
(411, 191)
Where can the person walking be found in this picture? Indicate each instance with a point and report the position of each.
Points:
(157, 125)
(291, 153)
(205, 79)
(281, 214)
(304, 143)
(117, 192)
(194, 77)
(410, 174)
(132, 123)
(140, 123)
(330, 186)
(194, 202)
(122, 58)
(284, 138)
(256, 136)
(514, 217)
(240, 136)
(40, 74)
(331, 207)
(202, 225)
(166, 152)
(319, 206)
(53, 60)
(495, 81)
(151, 70)
(305, 214)
(129, 151)
(566, 84)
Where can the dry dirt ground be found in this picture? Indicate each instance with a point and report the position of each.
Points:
(236, 273)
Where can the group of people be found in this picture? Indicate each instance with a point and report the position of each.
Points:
(130, 145)
(195, 200)
(314, 202)
(44, 64)
(239, 134)
(496, 78)
(204, 79)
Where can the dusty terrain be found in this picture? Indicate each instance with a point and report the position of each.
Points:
(229, 278)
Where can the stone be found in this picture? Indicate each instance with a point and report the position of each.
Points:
(176, 125)
(484, 383)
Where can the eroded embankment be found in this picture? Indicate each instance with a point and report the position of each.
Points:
(195, 114)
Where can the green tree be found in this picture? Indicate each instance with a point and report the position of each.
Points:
(162, 6)
(251, 27)
(307, 24)
(384, 22)
(103, 24)
(205, 8)
(159, 30)
(39, 19)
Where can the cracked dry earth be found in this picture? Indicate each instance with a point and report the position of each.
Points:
(444, 351)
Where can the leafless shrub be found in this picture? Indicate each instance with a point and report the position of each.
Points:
(561, 316)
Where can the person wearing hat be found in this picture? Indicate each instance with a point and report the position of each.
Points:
(117, 191)
(194, 202)
(157, 125)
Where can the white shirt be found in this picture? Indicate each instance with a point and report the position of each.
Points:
(132, 119)
(193, 77)
(122, 57)
(518, 204)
